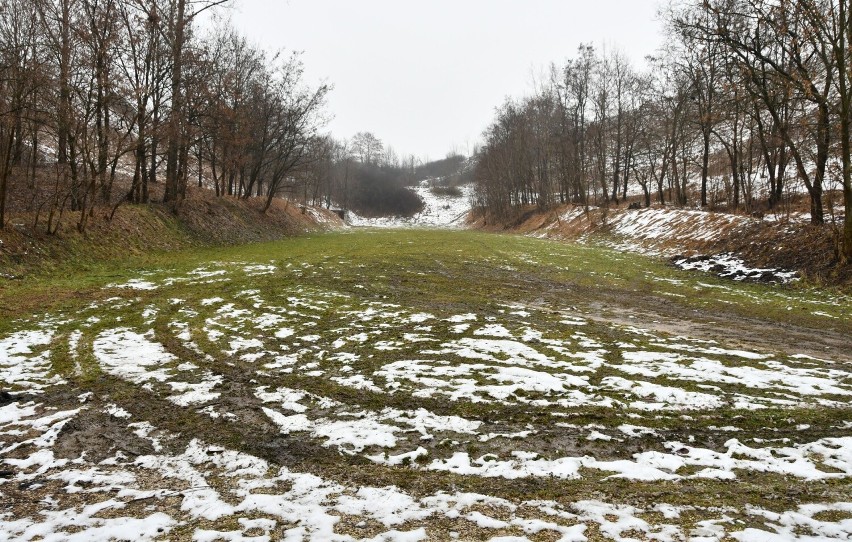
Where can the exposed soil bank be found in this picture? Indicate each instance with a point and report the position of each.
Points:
(770, 242)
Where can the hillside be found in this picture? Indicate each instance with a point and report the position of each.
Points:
(783, 244)
(443, 207)
(136, 230)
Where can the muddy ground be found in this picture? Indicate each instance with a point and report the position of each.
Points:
(424, 385)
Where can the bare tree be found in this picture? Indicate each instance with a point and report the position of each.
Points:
(367, 147)
(182, 15)
(19, 82)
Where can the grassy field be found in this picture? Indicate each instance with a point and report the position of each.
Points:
(407, 385)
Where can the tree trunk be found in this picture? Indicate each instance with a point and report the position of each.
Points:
(198, 164)
(172, 155)
(183, 169)
(64, 84)
(102, 126)
(823, 142)
(4, 178)
(705, 166)
(843, 61)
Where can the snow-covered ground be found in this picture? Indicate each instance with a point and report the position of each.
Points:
(438, 211)
(730, 266)
(284, 347)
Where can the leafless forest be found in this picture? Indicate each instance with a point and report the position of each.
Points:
(749, 103)
(93, 88)
(748, 106)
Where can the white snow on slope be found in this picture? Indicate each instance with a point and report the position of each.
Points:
(730, 266)
(438, 211)
(664, 232)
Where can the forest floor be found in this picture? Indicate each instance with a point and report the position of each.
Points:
(421, 385)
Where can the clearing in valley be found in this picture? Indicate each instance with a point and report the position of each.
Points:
(412, 385)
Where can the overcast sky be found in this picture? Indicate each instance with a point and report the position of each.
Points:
(425, 76)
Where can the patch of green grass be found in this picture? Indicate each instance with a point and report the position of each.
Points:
(452, 267)
(444, 274)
